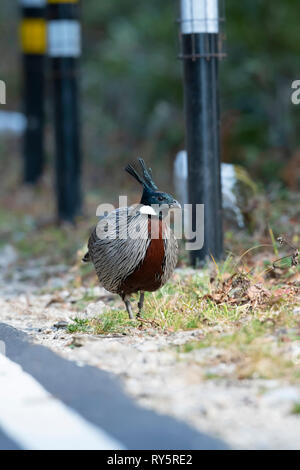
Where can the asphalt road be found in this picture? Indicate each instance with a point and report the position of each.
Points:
(50, 402)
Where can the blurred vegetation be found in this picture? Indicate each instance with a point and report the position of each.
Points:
(132, 86)
(132, 77)
(132, 105)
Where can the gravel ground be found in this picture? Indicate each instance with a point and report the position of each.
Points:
(248, 414)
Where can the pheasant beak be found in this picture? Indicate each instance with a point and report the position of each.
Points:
(175, 205)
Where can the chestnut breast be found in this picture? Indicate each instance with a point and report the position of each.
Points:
(147, 276)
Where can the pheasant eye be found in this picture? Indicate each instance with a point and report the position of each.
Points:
(160, 198)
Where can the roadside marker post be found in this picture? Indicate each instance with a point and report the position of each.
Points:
(33, 44)
(64, 50)
(201, 49)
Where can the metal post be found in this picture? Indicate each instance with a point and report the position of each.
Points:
(64, 49)
(200, 54)
(33, 43)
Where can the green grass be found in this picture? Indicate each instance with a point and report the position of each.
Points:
(246, 332)
(257, 348)
(79, 326)
(253, 338)
(111, 322)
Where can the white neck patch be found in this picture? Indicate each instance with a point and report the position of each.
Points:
(148, 210)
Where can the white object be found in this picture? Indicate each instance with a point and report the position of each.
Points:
(2, 92)
(12, 122)
(229, 199)
(181, 176)
(36, 420)
(64, 38)
(199, 16)
(148, 210)
(228, 181)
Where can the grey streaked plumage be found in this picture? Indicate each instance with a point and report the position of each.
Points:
(128, 256)
(116, 256)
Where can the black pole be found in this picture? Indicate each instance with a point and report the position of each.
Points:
(64, 49)
(200, 53)
(33, 42)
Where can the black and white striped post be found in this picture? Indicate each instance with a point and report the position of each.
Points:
(200, 51)
(33, 43)
(64, 50)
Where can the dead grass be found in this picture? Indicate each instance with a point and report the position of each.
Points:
(243, 306)
(245, 312)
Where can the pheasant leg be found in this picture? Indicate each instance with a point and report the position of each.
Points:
(140, 304)
(128, 307)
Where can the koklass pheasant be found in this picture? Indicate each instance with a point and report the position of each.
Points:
(133, 248)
